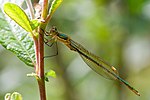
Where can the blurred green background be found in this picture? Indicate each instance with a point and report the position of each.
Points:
(116, 30)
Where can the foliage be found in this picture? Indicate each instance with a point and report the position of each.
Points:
(27, 46)
(18, 15)
(13, 96)
(19, 41)
(15, 39)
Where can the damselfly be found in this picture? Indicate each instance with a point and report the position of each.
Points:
(93, 61)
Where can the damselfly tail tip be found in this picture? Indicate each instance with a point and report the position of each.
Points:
(130, 87)
(137, 93)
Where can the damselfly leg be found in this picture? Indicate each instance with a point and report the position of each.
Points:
(52, 41)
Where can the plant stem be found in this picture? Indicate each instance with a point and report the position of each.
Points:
(39, 67)
(40, 53)
(40, 73)
(29, 4)
(44, 9)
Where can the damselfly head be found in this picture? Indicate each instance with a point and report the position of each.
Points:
(53, 31)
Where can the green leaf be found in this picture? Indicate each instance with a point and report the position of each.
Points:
(16, 96)
(51, 73)
(13, 96)
(17, 40)
(7, 96)
(34, 24)
(18, 15)
(55, 4)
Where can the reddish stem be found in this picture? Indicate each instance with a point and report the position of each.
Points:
(39, 67)
(40, 54)
(36, 54)
(40, 73)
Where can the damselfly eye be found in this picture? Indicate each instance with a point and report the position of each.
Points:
(53, 30)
